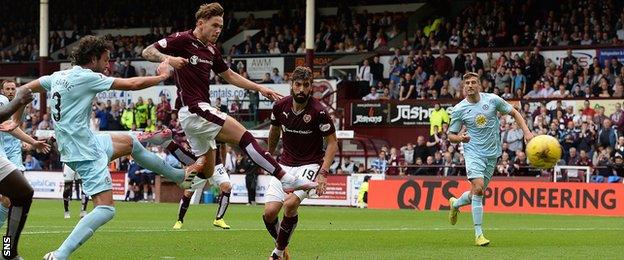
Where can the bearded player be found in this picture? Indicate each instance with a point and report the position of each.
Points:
(482, 145)
(304, 125)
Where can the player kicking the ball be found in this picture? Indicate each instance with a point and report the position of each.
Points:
(303, 123)
(219, 178)
(482, 145)
(71, 92)
(194, 55)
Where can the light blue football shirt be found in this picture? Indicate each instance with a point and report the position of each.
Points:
(482, 123)
(71, 92)
(3, 102)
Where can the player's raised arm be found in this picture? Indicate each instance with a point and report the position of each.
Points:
(239, 81)
(151, 53)
(137, 83)
(22, 98)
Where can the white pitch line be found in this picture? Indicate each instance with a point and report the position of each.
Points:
(321, 229)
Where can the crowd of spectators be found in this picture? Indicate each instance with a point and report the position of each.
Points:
(527, 75)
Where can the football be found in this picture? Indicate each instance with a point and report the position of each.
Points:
(543, 151)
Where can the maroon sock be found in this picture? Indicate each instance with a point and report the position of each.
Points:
(183, 155)
(271, 226)
(260, 156)
(287, 228)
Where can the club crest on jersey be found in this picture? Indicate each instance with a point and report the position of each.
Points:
(193, 60)
(480, 120)
(307, 118)
(163, 43)
(486, 107)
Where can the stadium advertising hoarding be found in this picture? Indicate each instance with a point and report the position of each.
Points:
(391, 114)
(502, 196)
(605, 54)
(338, 190)
(120, 185)
(257, 67)
(47, 185)
(368, 114)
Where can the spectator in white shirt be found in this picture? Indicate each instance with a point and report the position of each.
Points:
(363, 73)
(373, 95)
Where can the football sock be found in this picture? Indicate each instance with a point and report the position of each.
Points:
(463, 200)
(477, 214)
(67, 193)
(272, 226)
(224, 201)
(152, 162)
(16, 187)
(85, 229)
(260, 156)
(183, 155)
(4, 213)
(287, 228)
(184, 204)
(85, 201)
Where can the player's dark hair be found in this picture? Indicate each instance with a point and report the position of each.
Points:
(89, 47)
(302, 73)
(207, 11)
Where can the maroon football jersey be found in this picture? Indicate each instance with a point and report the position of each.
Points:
(193, 79)
(303, 132)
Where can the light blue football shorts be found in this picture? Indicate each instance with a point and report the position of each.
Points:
(480, 167)
(95, 175)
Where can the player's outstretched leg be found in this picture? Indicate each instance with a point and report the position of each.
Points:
(477, 211)
(224, 202)
(129, 144)
(67, 193)
(16, 187)
(185, 201)
(100, 215)
(455, 204)
(235, 133)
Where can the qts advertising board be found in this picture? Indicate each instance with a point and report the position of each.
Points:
(502, 196)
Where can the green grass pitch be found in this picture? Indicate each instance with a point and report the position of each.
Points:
(143, 231)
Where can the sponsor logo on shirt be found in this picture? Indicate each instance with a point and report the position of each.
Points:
(301, 132)
(325, 127)
(194, 60)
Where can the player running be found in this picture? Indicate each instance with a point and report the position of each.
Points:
(193, 54)
(72, 91)
(71, 178)
(482, 145)
(219, 178)
(304, 124)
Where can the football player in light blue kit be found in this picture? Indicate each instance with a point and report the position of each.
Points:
(12, 145)
(482, 145)
(72, 91)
